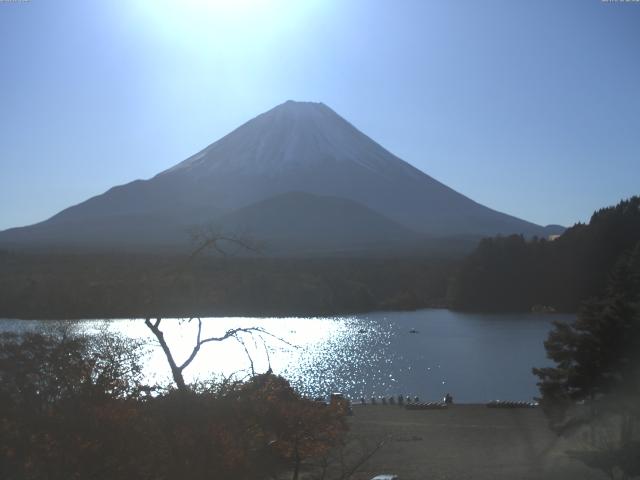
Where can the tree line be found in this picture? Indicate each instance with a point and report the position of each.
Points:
(117, 285)
(516, 274)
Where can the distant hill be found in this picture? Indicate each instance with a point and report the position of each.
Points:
(302, 222)
(245, 177)
(515, 274)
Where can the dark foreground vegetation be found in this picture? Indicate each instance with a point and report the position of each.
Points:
(73, 406)
(515, 274)
(593, 391)
(126, 285)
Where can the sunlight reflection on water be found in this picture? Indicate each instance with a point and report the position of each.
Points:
(424, 353)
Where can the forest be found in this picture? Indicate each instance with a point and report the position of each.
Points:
(503, 274)
(73, 286)
(516, 274)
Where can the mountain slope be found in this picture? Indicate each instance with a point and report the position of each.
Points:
(297, 146)
(303, 222)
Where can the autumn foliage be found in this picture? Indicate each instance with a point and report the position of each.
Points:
(75, 408)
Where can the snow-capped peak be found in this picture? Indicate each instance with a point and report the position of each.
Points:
(292, 134)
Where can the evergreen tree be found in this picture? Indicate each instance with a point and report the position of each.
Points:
(515, 274)
(597, 372)
(598, 355)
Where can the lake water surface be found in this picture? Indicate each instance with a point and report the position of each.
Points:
(476, 357)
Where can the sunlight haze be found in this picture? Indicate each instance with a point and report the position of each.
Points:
(527, 107)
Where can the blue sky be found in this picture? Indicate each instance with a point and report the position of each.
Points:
(529, 107)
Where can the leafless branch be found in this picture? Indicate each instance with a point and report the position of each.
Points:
(208, 237)
(361, 461)
(342, 462)
(266, 351)
(241, 342)
(177, 370)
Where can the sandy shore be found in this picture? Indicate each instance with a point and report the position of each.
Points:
(463, 442)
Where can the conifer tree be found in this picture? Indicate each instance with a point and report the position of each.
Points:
(598, 356)
(596, 380)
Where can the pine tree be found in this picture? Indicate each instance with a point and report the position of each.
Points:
(597, 372)
(597, 356)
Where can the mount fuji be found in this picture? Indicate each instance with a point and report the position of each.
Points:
(299, 178)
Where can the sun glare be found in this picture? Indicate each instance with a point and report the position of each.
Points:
(219, 7)
(234, 23)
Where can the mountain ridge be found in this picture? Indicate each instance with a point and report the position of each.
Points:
(294, 147)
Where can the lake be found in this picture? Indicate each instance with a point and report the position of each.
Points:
(475, 357)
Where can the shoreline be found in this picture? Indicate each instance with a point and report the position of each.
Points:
(228, 314)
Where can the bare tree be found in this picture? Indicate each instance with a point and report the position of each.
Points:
(208, 237)
(204, 238)
(178, 369)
